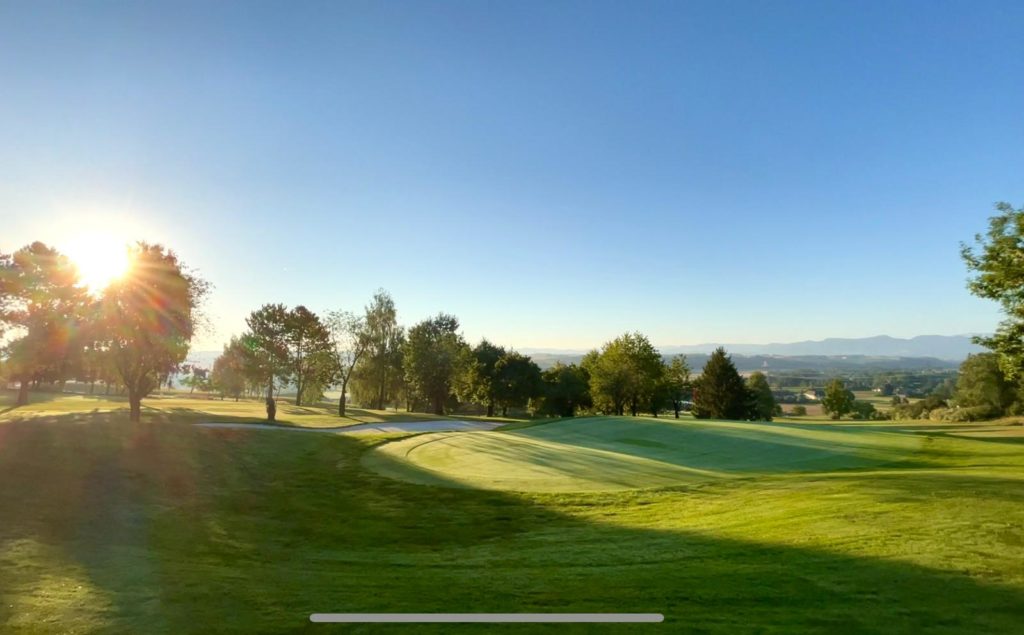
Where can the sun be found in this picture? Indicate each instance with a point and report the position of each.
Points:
(100, 258)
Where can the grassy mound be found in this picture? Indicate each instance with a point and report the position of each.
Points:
(616, 453)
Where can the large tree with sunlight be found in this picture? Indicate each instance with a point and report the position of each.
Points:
(149, 316)
(43, 307)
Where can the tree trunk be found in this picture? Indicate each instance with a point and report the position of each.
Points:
(380, 394)
(504, 411)
(675, 405)
(22, 394)
(341, 399)
(135, 407)
(490, 408)
(438, 405)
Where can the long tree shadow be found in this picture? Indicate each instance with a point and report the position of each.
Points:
(179, 529)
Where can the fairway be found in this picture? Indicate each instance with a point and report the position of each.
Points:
(616, 453)
(165, 526)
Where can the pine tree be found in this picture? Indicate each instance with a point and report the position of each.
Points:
(719, 393)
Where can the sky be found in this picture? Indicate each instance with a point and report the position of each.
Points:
(553, 173)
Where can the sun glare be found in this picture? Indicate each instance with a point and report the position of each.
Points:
(100, 258)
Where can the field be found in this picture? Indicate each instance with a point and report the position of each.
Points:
(810, 526)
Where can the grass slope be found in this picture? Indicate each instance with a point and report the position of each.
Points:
(168, 528)
(615, 453)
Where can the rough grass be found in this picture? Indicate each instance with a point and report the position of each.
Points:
(167, 528)
(181, 407)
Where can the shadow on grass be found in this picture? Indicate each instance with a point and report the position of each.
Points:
(736, 447)
(190, 530)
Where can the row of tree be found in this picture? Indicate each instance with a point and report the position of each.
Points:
(135, 333)
(430, 366)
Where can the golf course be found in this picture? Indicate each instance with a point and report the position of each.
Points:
(165, 526)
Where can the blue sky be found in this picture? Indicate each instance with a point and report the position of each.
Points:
(553, 173)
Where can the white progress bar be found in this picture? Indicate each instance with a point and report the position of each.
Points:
(487, 618)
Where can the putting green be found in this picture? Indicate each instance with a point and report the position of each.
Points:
(617, 453)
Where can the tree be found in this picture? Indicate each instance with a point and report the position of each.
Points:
(40, 300)
(310, 354)
(195, 376)
(677, 382)
(435, 355)
(719, 392)
(997, 264)
(862, 409)
(837, 401)
(350, 341)
(382, 360)
(983, 385)
(627, 372)
(762, 402)
(481, 381)
(149, 318)
(266, 346)
(228, 374)
(517, 381)
(799, 411)
(566, 390)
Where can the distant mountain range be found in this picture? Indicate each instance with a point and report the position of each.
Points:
(770, 363)
(948, 347)
(945, 347)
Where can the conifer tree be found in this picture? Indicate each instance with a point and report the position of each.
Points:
(719, 393)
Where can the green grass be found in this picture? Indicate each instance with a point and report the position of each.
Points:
(615, 453)
(165, 528)
(185, 408)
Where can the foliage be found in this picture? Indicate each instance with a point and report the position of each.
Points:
(676, 383)
(481, 385)
(228, 374)
(628, 371)
(517, 381)
(799, 411)
(43, 307)
(350, 341)
(762, 406)
(149, 317)
(310, 357)
(860, 409)
(378, 375)
(719, 392)
(983, 383)
(266, 346)
(997, 264)
(566, 390)
(435, 356)
(837, 401)
(194, 376)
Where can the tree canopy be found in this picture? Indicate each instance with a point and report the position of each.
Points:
(149, 317)
(435, 356)
(719, 392)
(837, 401)
(996, 265)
